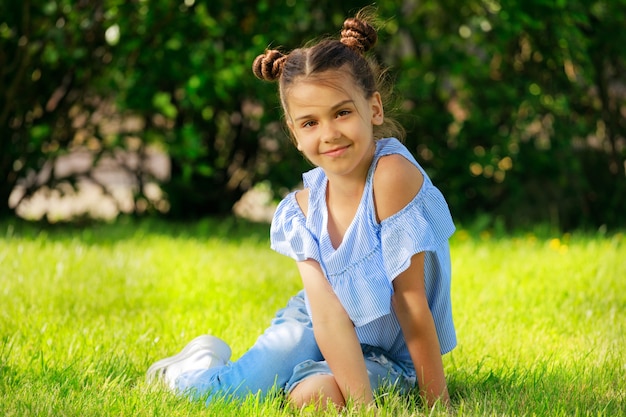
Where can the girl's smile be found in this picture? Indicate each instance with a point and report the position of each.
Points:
(336, 152)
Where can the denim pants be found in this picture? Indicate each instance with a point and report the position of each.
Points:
(269, 363)
(283, 356)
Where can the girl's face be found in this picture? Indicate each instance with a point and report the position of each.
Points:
(332, 123)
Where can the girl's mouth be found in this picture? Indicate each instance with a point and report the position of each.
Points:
(336, 152)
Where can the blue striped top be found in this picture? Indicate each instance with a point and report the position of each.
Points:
(361, 270)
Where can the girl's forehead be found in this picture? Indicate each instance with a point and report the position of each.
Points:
(330, 78)
(307, 89)
(309, 98)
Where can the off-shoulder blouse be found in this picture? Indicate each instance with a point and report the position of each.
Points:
(372, 254)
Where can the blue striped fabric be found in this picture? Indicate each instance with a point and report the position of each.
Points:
(361, 270)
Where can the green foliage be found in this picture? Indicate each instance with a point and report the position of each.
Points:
(515, 108)
(51, 55)
(539, 318)
(186, 68)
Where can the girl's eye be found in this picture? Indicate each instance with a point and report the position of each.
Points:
(342, 113)
(310, 123)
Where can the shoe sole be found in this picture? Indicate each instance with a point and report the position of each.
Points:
(217, 346)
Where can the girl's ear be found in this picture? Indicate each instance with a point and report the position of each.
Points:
(376, 105)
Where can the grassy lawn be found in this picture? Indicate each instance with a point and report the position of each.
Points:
(541, 318)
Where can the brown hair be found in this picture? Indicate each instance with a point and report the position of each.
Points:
(346, 54)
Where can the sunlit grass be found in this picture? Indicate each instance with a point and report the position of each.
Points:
(84, 311)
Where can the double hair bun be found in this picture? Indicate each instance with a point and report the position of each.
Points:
(356, 34)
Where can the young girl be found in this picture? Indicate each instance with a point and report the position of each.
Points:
(369, 233)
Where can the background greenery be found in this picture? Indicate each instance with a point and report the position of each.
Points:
(85, 311)
(515, 107)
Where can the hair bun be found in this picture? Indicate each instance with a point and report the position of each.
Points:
(269, 66)
(358, 35)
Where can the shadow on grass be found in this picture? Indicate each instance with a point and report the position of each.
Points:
(541, 389)
(230, 229)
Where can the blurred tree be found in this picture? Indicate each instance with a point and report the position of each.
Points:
(51, 52)
(516, 108)
(186, 68)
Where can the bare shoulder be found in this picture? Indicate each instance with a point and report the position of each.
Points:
(302, 197)
(396, 182)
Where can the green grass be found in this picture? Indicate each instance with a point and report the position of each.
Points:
(84, 311)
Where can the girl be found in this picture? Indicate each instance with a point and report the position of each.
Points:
(369, 233)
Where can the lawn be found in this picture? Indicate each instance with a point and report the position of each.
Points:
(85, 309)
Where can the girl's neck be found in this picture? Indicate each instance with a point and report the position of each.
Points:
(343, 196)
(342, 187)
(351, 186)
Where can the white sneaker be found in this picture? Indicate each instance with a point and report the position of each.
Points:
(203, 352)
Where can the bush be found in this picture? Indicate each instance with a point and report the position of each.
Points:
(514, 108)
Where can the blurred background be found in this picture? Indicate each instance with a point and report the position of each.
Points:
(517, 109)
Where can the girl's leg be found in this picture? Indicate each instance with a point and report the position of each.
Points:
(311, 382)
(268, 363)
(321, 390)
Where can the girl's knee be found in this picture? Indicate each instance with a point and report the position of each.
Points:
(319, 390)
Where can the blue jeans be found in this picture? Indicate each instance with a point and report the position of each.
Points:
(282, 357)
(383, 372)
(268, 364)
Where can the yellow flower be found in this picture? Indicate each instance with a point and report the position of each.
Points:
(555, 243)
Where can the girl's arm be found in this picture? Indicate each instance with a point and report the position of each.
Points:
(396, 182)
(411, 307)
(335, 335)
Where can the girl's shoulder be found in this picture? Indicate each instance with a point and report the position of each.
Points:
(302, 198)
(293, 206)
(396, 182)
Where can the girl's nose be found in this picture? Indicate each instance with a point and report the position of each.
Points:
(330, 133)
